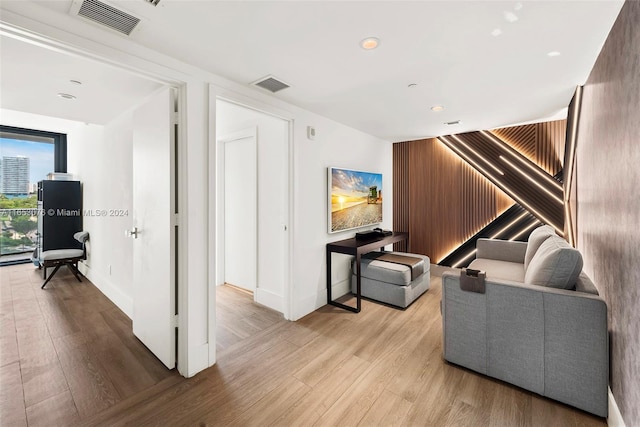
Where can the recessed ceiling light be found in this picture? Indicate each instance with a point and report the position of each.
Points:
(510, 16)
(437, 108)
(496, 32)
(370, 43)
(553, 53)
(75, 82)
(66, 95)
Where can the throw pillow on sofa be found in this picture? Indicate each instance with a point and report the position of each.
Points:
(536, 238)
(555, 264)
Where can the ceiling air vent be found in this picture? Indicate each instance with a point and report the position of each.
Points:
(106, 15)
(271, 84)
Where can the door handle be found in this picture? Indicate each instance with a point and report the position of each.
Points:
(133, 233)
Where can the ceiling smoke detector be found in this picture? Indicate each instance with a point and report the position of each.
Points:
(271, 84)
(106, 15)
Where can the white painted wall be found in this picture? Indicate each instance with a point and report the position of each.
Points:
(339, 146)
(104, 166)
(272, 186)
(335, 145)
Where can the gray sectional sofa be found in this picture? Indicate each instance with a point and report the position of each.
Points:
(539, 324)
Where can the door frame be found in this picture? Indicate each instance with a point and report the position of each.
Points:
(219, 93)
(250, 132)
(177, 81)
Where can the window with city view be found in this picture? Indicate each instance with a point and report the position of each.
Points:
(26, 157)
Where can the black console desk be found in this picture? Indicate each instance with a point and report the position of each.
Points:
(357, 248)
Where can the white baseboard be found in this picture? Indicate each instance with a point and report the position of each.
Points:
(307, 305)
(119, 298)
(615, 417)
(198, 361)
(341, 288)
(270, 299)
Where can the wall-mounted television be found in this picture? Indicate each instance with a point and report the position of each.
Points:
(355, 199)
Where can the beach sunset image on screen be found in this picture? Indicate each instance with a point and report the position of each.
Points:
(355, 199)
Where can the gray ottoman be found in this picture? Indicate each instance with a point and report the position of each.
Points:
(391, 283)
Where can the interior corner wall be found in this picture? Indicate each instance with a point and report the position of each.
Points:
(608, 198)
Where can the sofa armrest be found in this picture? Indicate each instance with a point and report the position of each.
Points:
(553, 342)
(502, 250)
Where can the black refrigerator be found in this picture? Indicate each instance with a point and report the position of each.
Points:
(59, 214)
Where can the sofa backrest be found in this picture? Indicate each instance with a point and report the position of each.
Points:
(555, 264)
(536, 238)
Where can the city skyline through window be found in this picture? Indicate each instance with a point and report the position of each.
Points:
(25, 159)
(24, 162)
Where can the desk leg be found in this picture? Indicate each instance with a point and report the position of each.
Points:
(329, 298)
(358, 284)
(328, 276)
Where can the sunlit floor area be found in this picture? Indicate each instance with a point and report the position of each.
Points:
(68, 357)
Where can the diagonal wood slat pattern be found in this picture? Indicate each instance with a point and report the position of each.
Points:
(542, 143)
(442, 201)
(521, 179)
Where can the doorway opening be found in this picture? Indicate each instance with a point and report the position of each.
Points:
(252, 207)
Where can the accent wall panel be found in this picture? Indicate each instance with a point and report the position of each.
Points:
(542, 143)
(442, 201)
(400, 192)
(448, 200)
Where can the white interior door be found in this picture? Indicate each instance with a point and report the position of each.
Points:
(240, 212)
(153, 213)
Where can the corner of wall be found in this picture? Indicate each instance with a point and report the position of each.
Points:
(123, 301)
(615, 417)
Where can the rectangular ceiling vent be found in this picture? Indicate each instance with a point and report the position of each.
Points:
(271, 84)
(106, 15)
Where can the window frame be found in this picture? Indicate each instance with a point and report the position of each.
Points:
(59, 143)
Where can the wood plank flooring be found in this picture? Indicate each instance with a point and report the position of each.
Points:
(68, 357)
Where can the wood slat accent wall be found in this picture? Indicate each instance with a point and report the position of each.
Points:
(401, 192)
(449, 200)
(542, 143)
(442, 201)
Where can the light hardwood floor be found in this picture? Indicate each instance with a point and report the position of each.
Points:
(68, 357)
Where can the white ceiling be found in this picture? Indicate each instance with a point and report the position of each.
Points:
(445, 47)
(32, 76)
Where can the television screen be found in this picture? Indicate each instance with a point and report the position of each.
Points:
(355, 199)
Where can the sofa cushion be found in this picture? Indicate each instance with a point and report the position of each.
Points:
(555, 264)
(496, 269)
(536, 238)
